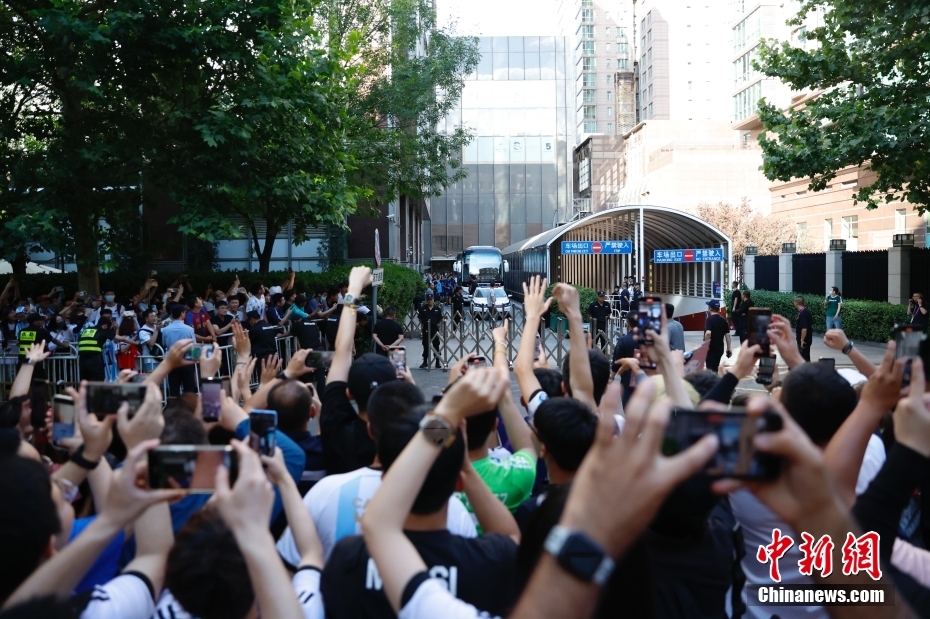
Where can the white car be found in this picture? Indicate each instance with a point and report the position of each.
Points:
(482, 304)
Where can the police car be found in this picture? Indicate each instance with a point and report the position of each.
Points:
(493, 303)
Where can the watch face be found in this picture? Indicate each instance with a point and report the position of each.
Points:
(436, 431)
(349, 299)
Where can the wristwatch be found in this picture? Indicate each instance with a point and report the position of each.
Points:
(78, 458)
(579, 555)
(437, 429)
(349, 300)
(849, 346)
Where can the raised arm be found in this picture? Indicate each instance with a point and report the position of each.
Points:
(298, 517)
(582, 384)
(781, 334)
(837, 340)
(670, 371)
(493, 516)
(174, 358)
(535, 305)
(345, 336)
(845, 451)
(23, 381)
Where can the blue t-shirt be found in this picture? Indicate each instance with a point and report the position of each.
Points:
(107, 565)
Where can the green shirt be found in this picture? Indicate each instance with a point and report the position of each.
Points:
(510, 480)
(833, 304)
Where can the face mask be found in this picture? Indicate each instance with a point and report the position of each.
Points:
(109, 298)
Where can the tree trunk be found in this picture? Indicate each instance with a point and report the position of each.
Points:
(19, 263)
(264, 253)
(85, 250)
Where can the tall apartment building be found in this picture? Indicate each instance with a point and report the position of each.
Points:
(683, 47)
(762, 20)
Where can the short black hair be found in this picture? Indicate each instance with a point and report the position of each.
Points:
(192, 301)
(702, 381)
(253, 315)
(566, 427)
(255, 287)
(600, 373)
(800, 300)
(291, 400)
(443, 474)
(818, 398)
(106, 312)
(176, 310)
(221, 303)
(479, 427)
(747, 294)
(550, 381)
(276, 298)
(206, 571)
(389, 401)
(182, 427)
(146, 313)
(669, 310)
(301, 299)
(104, 322)
(390, 312)
(27, 521)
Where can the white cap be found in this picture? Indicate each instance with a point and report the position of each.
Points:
(274, 290)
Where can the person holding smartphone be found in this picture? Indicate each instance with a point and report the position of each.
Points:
(917, 311)
(805, 327)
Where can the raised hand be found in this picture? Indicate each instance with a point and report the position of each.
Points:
(245, 507)
(210, 365)
(567, 298)
(535, 302)
(270, 368)
(127, 498)
(835, 339)
(241, 342)
(36, 353)
(148, 422)
(477, 392)
(912, 415)
(97, 434)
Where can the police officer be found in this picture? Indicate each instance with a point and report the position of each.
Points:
(35, 333)
(458, 309)
(430, 320)
(90, 349)
(598, 313)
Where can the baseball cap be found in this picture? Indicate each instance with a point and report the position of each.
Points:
(429, 295)
(274, 290)
(713, 304)
(601, 293)
(366, 373)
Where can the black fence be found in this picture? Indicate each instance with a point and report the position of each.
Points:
(809, 273)
(920, 271)
(865, 275)
(767, 273)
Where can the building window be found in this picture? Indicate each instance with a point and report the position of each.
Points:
(610, 111)
(649, 72)
(610, 95)
(649, 54)
(609, 80)
(650, 110)
(590, 127)
(850, 227)
(927, 230)
(610, 127)
(608, 45)
(649, 36)
(642, 25)
(900, 220)
(588, 96)
(689, 85)
(649, 17)
(623, 48)
(622, 63)
(801, 229)
(608, 62)
(608, 34)
(588, 64)
(827, 233)
(587, 48)
(587, 16)
(588, 79)
(590, 112)
(587, 32)
(650, 91)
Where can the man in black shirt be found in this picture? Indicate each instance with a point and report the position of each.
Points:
(598, 314)
(716, 330)
(262, 336)
(735, 298)
(458, 309)
(430, 320)
(637, 291)
(805, 328)
(388, 332)
(307, 332)
(624, 349)
(741, 316)
(332, 319)
(477, 570)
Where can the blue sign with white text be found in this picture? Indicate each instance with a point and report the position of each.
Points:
(596, 247)
(671, 256)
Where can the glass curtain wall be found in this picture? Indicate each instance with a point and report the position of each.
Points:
(518, 106)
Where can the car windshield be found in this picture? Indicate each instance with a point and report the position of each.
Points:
(480, 293)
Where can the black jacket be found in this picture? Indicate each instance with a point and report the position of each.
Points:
(741, 315)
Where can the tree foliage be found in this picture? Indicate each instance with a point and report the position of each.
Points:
(747, 227)
(868, 67)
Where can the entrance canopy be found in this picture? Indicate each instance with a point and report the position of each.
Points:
(586, 253)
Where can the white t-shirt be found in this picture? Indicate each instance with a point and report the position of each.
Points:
(758, 521)
(128, 596)
(337, 502)
(145, 334)
(257, 304)
(432, 599)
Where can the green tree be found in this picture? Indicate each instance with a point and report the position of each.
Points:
(867, 64)
(410, 75)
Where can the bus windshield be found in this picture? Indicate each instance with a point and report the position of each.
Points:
(486, 265)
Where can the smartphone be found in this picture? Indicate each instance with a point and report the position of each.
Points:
(759, 320)
(263, 425)
(105, 398)
(736, 457)
(319, 359)
(153, 273)
(648, 317)
(62, 418)
(766, 370)
(83, 294)
(191, 468)
(830, 362)
(227, 385)
(478, 362)
(59, 288)
(536, 349)
(194, 352)
(139, 378)
(398, 356)
(210, 390)
(645, 363)
(910, 341)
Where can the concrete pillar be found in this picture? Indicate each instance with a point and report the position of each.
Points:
(899, 275)
(749, 272)
(834, 270)
(785, 272)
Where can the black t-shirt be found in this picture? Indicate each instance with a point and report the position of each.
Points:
(346, 444)
(226, 338)
(805, 321)
(718, 327)
(624, 350)
(477, 570)
(430, 315)
(598, 312)
(262, 337)
(308, 333)
(332, 326)
(387, 331)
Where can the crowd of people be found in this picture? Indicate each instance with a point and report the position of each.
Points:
(380, 500)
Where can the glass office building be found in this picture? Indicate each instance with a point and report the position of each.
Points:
(518, 104)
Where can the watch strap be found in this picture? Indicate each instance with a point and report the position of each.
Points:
(579, 555)
(78, 458)
(849, 346)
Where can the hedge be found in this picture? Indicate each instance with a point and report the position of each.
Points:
(870, 321)
(586, 296)
(401, 284)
